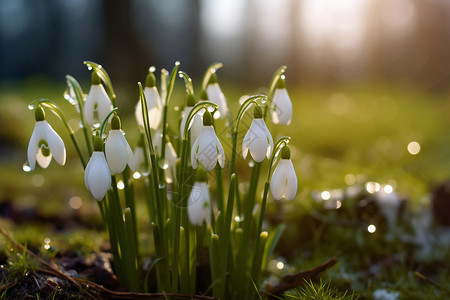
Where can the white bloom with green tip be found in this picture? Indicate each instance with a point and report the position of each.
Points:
(207, 149)
(97, 176)
(197, 123)
(284, 180)
(118, 151)
(199, 203)
(45, 143)
(216, 96)
(199, 207)
(97, 105)
(170, 155)
(154, 105)
(258, 138)
(281, 112)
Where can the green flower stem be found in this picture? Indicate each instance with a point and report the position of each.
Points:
(256, 265)
(272, 86)
(57, 111)
(187, 82)
(219, 189)
(105, 78)
(133, 251)
(225, 246)
(211, 69)
(160, 241)
(184, 267)
(162, 272)
(105, 121)
(258, 256)
(75, 86)
(183, 195)
(214, 250)
(164, 123)
(130, 203)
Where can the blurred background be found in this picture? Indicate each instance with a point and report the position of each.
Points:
(323, 42)
(370, 84)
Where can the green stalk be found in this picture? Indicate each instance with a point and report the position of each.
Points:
(131, 204)
(256, 265)
(272, 87)
(211, 69)
(133, 251)
(162, 240)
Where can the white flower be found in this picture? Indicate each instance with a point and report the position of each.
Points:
(257, 139)
(199, 208)
(97, 176)
(207, 149)
(153, 106)
(118, 151)
(170, 155)
(97, 105)
(197, 120)
(281, 112)
(216, 96)
(44, 143)
(139, 164)
(284, 180)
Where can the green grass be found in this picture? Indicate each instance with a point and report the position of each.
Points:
(359, 130)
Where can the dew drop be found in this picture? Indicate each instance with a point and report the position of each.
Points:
(251, 164)
(69, 96)
(31, 106)
(26, 167)
(89, 68)
(263, 100)
(152, 69)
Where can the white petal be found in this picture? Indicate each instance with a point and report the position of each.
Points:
(154, 106)
(116, 150)
(258, 143)
(198, 204)
(32, 149)
(99, 177)
(97, 96)
(56, 145)
(42, 160)
(282, 112)
(221, 152)
(291, 180)
(138, 114)
(277, 186)
(194, 153)
(245, 144)
(215, 95)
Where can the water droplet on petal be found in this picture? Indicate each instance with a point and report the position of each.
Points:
(69, 96)
(251, 164)
(26, 167)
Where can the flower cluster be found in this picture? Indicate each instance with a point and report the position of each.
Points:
(170, 159)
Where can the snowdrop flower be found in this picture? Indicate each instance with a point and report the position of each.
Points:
(216, 96)
(197, 122)
(170, 155)
(207, 148)
(44, 142)
(97, 176)
(284, 181)
(281, 112)
(118, 152)
(258, 138)
(97, 105)
(199, 207)
(139, 163)
(153, 103)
